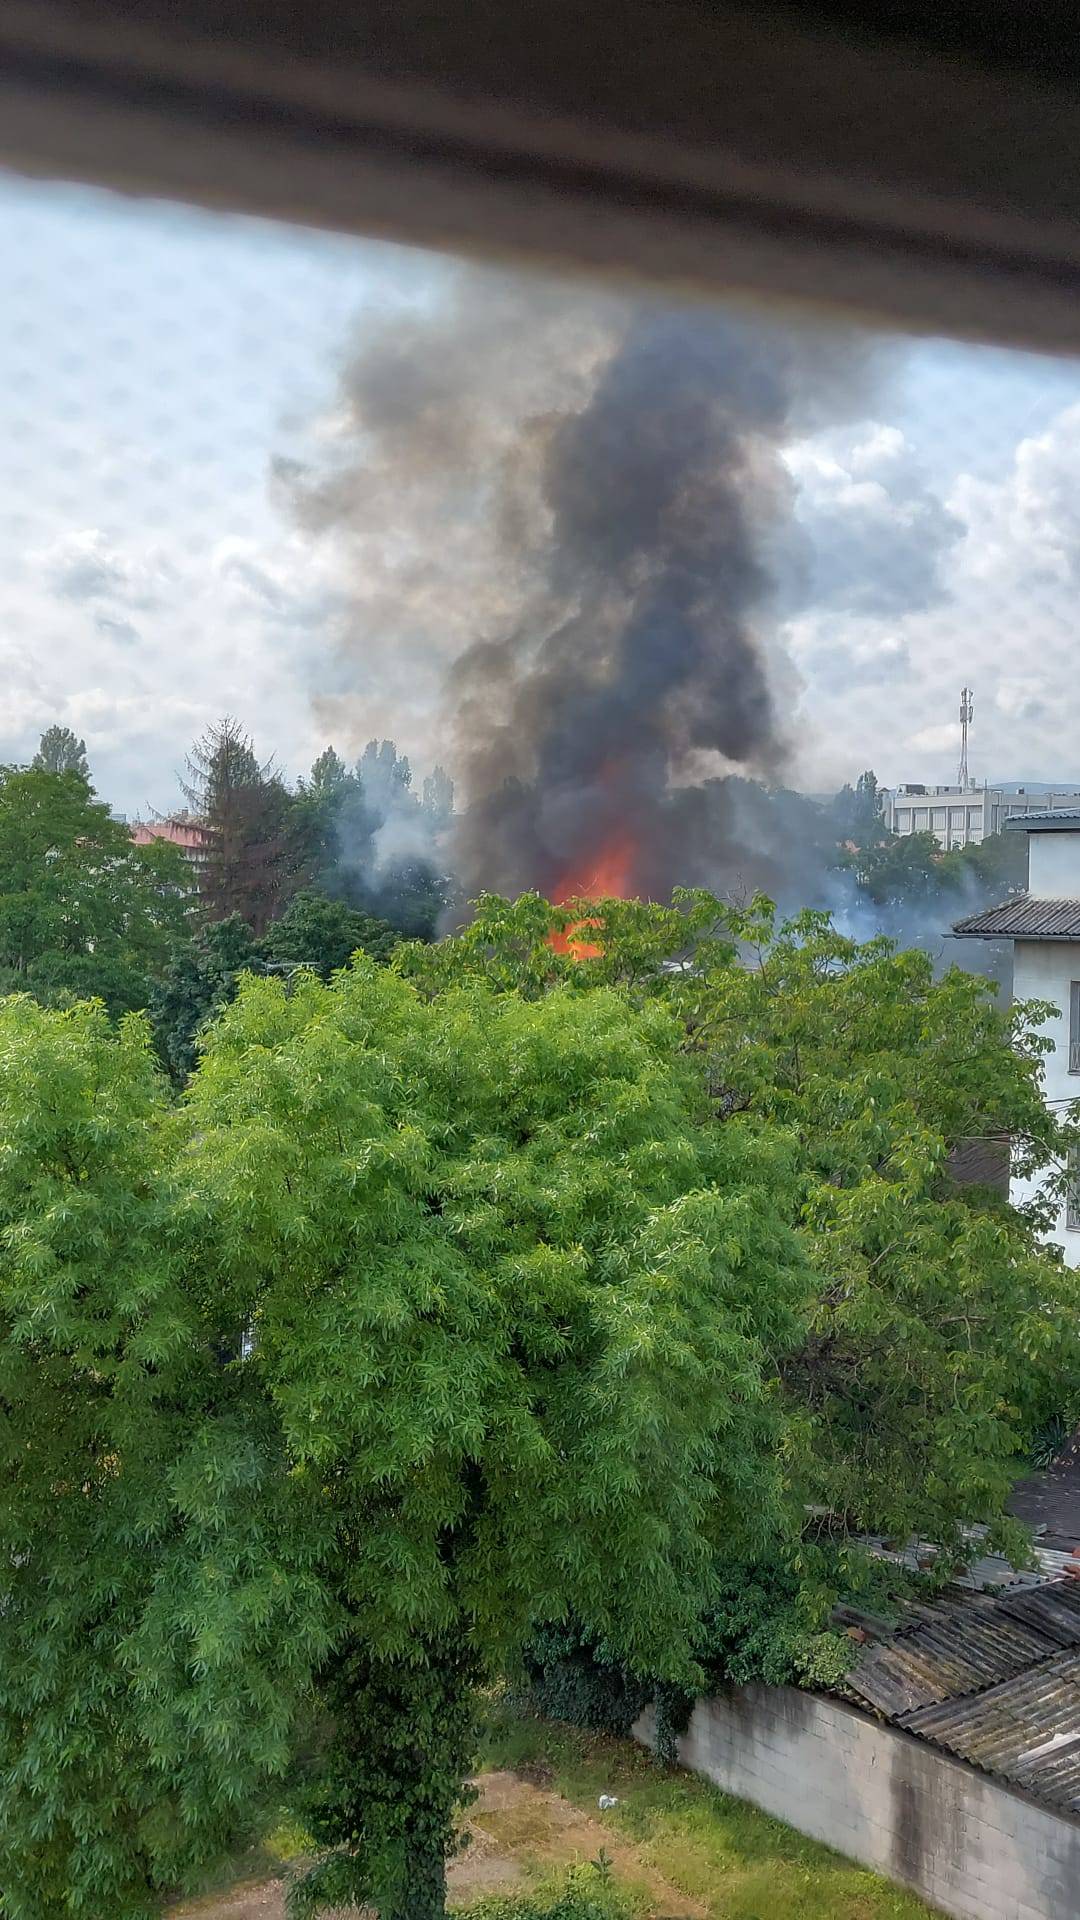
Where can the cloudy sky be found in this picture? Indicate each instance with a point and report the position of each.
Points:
(153, 578)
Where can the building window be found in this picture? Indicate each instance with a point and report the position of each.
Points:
(1074, 1026)
(1072, 1193)
(922, 817)
(940, 818)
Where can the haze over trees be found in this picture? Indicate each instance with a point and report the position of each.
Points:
(365, 839)
(488, 1291)
(375, 843)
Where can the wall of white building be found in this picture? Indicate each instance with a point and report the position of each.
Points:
(1045, 970)
(1053, 865)
(960, 816)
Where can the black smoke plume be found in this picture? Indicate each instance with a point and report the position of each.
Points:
(576, 511)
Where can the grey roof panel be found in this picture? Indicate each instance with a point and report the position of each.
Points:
(1045, 820)
(947, 1651)
(1024, 918)
(992, 1679)
(1026, 1730)
(1053, 1609)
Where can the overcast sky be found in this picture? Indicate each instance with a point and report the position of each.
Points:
(151, 577)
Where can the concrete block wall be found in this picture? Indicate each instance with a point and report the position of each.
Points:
(965, 1844)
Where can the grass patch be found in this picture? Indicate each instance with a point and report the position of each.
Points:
(283, 1841)
(738, 1863)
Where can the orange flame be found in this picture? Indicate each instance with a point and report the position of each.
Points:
(607, 877)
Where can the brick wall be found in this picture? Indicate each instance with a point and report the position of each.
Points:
(971, 1847)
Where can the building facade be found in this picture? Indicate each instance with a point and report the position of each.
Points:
(178, 828)
(962, 816)
(1044, 927)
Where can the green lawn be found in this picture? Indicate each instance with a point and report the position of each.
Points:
(736, 1862)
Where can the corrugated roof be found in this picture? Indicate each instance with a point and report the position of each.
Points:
(945, 1651)
(1024, 918)
(1040, 818)
(1054, 1608)
(992, 1679)
(1027, 1730)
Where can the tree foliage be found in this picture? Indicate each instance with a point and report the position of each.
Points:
(509, 1308)
(204, 972)
(61, 751)
(940, 1330)
(255, 855)
(156, 1621)
(324, 934)
(517, 1238)
(616, 1285)
(375, 843)
(202, 977)
(83, 911)
(859, 813)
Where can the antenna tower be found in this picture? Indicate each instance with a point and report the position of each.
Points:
(967, 708)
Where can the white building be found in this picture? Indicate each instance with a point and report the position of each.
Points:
(962, 816)
(1044, 927)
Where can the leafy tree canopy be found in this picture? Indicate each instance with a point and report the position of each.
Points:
(373, 842)
(512, 1306)
(858, 812)
(204, 973)
(201, 978)
(61, 751)
(83, 911)
(939, 1326)
(494, 1288)
(324, 934)
(257, 851)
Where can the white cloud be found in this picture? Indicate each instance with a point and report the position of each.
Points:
(942, 737)
(86, 565)
(1025, 699)
(1006, 622)
(877, 537)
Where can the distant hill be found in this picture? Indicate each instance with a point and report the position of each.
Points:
(1037, 786)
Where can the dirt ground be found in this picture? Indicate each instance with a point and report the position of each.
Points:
(518, 1830)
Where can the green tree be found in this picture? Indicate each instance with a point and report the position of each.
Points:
(324, 934)
(256, 854)
(328, 772)
(60, 751)
(859, 812)
(438, 797)
(157, 1625)
(200, 979)
(335, 824)
(987, 870)
(510, 1313)
(83, 911)
(537, 1264)
(940, 1330)
(905, 871)
(373, 843)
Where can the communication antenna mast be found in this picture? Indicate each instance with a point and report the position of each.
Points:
(967, 708)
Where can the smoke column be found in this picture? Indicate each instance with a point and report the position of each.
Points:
(578, 507)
